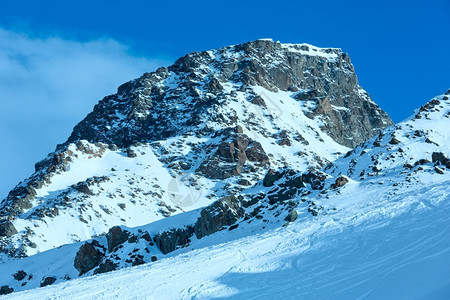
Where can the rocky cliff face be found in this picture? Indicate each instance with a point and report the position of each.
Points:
(210, 126)
(177, 99)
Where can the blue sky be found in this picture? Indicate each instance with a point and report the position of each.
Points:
(58, 58)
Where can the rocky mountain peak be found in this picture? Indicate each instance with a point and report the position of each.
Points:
(194, 90)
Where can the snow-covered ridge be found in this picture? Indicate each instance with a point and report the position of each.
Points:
(306, 49)
(409, 144)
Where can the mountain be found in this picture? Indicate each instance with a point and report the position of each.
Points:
(374, 224)
(210, 125)
(248, 138)
(204, 91)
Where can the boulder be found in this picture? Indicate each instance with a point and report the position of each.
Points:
(438, 170)
(131, 153)
(4, 290)
(138, 260)
(294, 179)
(439, 157)
(115, 237)
(106, 266)
(168, 241)
(146, 236)
(292, 216)
(394, 141)
(244, 182)
(224, 212)
(256, 153)
(20, 275)
(282, 194)
(47, 281)
(316, 179)
(428, 141)
(340, 181)
(421, 162)
(83, 187)
(258, 100)
(87, 258)
(408, 166)
(113, 147)
(290, 183)
(271, 177)
(7, 229)
(132, 239)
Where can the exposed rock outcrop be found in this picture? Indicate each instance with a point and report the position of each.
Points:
(168, 241)
(224, 212)
(47, 281)
(292, 216)
(271, 177)
(340, 181)
(290, 182)
(88, 257)
(4, 290)
(438, 157)
(7, 229)
(213, 218)
(231, 156)
(20, 275)
(115, 237)
(106, 266)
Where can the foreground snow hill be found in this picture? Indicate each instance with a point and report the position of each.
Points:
(374, 226)
(372, 249)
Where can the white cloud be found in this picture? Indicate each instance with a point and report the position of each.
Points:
(47, 85)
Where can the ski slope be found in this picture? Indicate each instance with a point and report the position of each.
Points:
(371, 247)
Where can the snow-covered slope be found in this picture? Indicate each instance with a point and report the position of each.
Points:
(398, 253)
(408, 145)
(338, 232)
(380, 234)
(183, 137)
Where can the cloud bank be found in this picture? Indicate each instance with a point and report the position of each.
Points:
(47, 85)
